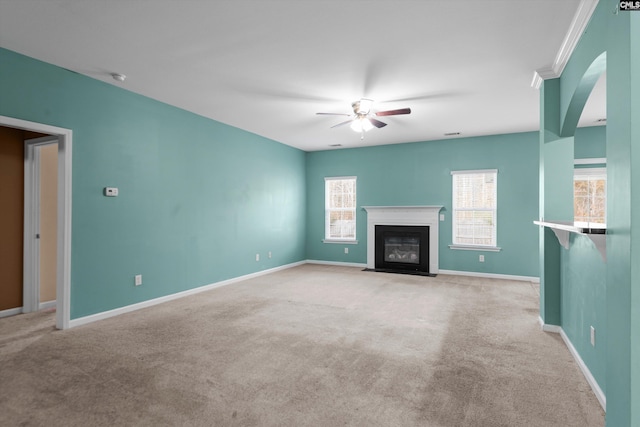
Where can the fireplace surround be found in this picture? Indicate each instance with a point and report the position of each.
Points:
(426, 216)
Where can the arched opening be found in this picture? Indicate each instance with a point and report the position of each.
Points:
(582, 94)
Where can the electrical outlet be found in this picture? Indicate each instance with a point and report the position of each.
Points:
(257, 257)
(269, 254)
(138, 279)
(593, 336)
(346, 250)
(481, 258)
(441, 217)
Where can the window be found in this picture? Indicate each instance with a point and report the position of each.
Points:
(340, 209)
(590, 195)
(474, 208)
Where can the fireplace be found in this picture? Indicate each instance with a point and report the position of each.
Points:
(402, 248)
(425, 218)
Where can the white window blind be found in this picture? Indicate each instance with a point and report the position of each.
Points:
(340, 208)
(590, 195)
(475, 207)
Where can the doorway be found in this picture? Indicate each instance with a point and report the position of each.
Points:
(63, 139)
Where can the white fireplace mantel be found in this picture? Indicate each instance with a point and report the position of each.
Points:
(403, 215)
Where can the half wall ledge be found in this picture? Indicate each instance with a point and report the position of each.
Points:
(597, 234)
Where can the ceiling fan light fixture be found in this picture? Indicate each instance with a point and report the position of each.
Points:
(361, 124)
(363, 106)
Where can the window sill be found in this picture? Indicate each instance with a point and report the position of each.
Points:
(340, 242)
(476, 248)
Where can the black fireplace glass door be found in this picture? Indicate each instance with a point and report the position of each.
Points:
(402, 249)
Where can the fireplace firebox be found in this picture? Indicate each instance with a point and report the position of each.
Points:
(402, 249)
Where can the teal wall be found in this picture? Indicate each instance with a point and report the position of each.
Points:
(612, 39)
(623, 217)
(584, 303)
(583, 275)
(198, 199)
(420, 174)
(590, 142)
(583, 289)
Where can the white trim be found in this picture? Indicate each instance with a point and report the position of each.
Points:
(47, 305)
(576, 29)
(555, 329)
(328, 209)
(475, 248)
(336, 263)
(149, 303)
(31, 244)
(591, 161)
(585, 371)
(540, 75)
(10, 312)
(458, 188)
(491, 275)
(599, 172)
(474, 171)
(576, 356)
(30, 252)
(63, 280)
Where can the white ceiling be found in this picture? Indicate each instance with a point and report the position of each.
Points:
(267, 66)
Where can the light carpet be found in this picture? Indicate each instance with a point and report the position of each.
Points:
(308, 346)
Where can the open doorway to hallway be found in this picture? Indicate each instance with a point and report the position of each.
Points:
(35, 248)
(28, 193)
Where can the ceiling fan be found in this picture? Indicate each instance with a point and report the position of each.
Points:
(361, 120)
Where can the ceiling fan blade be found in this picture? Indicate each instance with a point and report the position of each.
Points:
(377, 123)
(333, 114)
(394, 112)
(341, 124)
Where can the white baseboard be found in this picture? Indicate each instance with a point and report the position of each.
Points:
(47, 305)
(337, 263)
(491, 275)
(149, 303)
(18, 310)
(10, 312)
(549, 328)
(576, 356)
(585, 371)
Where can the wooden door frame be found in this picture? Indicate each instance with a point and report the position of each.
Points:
(63, 263)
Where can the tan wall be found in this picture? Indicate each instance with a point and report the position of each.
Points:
(11, 216)
(48, 220)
